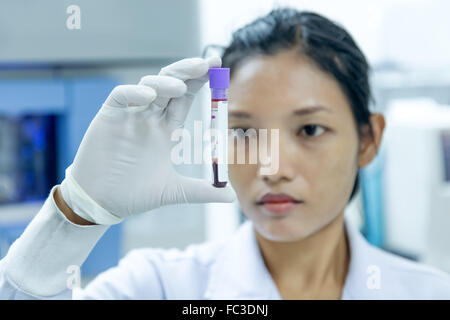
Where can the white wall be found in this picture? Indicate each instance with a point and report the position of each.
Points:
(414, 33)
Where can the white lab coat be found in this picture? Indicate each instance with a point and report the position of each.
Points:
(232, 269)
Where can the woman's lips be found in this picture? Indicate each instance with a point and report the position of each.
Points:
(278, 203)
(279, 208)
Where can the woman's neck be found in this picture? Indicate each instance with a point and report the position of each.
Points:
(311, 268)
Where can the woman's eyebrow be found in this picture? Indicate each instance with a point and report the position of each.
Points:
(300, 112)
(309, 110)
(239, 114)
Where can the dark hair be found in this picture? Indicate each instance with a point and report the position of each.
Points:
(329, 45)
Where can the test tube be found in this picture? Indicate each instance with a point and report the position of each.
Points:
(219, 80)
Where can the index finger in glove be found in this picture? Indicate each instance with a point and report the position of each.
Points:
(166, 87)
(124, 95)
(179, 108)
(191, 68)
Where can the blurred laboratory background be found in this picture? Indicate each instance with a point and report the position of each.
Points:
(54, 78)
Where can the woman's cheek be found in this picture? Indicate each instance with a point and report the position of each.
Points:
(336, 178)
(238, 175)
(232, 175)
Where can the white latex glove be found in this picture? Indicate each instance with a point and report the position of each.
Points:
(123, 164)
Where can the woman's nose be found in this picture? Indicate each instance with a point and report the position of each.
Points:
(285, 166)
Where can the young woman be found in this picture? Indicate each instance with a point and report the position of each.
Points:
(297, 72)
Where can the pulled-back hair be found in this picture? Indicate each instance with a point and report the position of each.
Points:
(326, 43)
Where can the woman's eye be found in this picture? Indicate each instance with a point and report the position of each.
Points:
(311, 130)
(239, 131)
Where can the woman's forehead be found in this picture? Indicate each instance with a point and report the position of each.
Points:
(283, 82)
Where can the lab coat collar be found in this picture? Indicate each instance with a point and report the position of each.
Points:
(239, 272)
(363, 257)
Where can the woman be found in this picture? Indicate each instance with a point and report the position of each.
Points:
(293, 71)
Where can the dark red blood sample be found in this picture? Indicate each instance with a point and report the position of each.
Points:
(217, 183)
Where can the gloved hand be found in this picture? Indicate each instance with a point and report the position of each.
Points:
(123, 165)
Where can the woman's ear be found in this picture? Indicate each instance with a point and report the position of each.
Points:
(370, 141)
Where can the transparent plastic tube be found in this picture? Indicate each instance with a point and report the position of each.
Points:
(219, 82)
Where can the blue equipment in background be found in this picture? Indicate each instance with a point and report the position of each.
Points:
(372, 197)
(42, 123)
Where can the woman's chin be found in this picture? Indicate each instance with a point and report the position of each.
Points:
(282, 231)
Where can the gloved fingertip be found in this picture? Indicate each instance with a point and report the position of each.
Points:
(224, 195)
(183, 89)
(231, 194)
(214, 62)
(202, 191)
(148, 92)
(143, 95)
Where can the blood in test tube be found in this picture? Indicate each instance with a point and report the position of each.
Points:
(219, 80)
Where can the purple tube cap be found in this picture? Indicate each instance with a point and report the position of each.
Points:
(219, 78)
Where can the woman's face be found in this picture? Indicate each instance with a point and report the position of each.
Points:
(318, 144)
